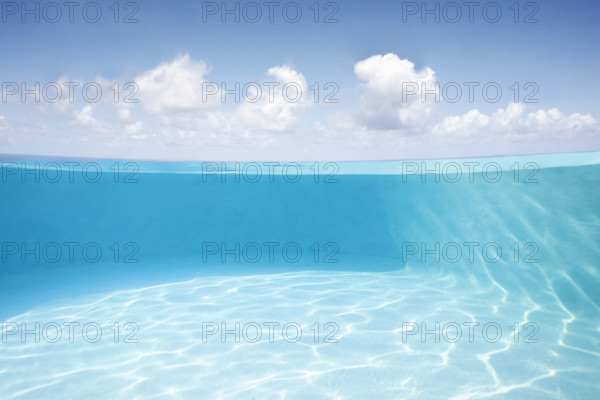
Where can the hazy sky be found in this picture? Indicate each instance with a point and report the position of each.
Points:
(314, 80)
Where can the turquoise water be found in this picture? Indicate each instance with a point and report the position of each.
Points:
(369, 275)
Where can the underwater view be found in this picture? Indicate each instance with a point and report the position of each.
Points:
(435, 279)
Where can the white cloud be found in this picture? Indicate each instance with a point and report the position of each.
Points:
(513, 123)
(277, 106)
(465, 125)
(389, 122)
(85, 118)
(281, 112)
(134, 127)
(392, 93)
(174, 86)
(555, 122)
(78, 108)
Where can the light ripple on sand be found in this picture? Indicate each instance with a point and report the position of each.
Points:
(370, 360)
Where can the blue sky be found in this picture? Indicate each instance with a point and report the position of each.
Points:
(366, 55)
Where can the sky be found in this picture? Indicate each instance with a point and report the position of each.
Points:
(303, 80)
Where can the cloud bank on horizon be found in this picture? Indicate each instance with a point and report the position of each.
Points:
(176, 105)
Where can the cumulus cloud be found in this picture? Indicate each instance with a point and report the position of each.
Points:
(400, 101)
(134, 127)
(394, 96)
(104, 107)
(280, 112)
(394, 117)
(269, 106)
(174, 86)
(465, 125)
(85, 117)
(515, 123)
